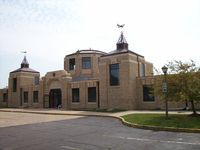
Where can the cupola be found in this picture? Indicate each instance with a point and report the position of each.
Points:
(24, 63)
(122, 43)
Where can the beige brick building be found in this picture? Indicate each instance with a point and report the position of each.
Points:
(119, 79)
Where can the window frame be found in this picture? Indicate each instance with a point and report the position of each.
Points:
(92, 94)
(5, 97)
(86, 63)
(72, 63)
(25, 96)
(114, 71)
(75, 98)
(35, 98)
(36, 80)
(14, 85)
(142, 69)
(148, 93)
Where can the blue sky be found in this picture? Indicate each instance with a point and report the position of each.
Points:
(50, 29)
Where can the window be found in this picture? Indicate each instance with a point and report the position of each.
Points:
(114, 74)
(14, 84)
(142, 69)
(25, 97)
(72, 64)
(5, 97)
(148, 93)
(86, 62)
(92, 94)
(37, 79)
(75, 95)
(35, 96)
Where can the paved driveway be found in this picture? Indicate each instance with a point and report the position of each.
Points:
(49, 132)
(14, 119)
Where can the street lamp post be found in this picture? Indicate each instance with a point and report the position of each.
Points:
(164, 88)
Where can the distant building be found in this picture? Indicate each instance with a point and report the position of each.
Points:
(119, 79)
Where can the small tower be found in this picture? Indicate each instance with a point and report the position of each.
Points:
(122, 43)
(25, 63)
(20, 81)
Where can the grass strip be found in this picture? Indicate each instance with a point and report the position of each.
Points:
(159, 120)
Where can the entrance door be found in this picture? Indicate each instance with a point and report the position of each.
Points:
(55, 96)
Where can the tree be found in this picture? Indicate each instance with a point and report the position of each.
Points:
(193, 90)
(183, 83)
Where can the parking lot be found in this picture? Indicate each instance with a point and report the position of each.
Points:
(13, 119)
(22, 131)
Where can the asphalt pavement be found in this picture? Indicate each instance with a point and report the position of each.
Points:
(86, 133)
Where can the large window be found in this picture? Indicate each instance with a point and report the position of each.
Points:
(92, 94)
(25, 97)
(14, 84)
(75, 95)
(72, 63)
(114, 74)
(148, 93)
(35, 96)
(86, 62)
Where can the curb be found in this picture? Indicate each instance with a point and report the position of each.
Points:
(155, 128)
(53, 113)
(124, 122)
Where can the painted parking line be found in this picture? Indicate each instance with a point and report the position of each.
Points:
(152, 140)
(70, 148)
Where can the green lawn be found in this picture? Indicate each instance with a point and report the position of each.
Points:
(177, 121)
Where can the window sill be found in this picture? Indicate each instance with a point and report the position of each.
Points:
(148, 101)
(86, 68)
(75, 102)
(92, 102)
(114, 86)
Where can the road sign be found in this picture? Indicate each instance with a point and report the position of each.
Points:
(164, 87)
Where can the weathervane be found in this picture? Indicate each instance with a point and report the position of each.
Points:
(120, 26)
(24, 52)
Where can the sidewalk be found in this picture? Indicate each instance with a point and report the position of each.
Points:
(85, 113)
(116, 115)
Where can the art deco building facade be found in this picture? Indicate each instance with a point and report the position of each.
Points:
(91, 79)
